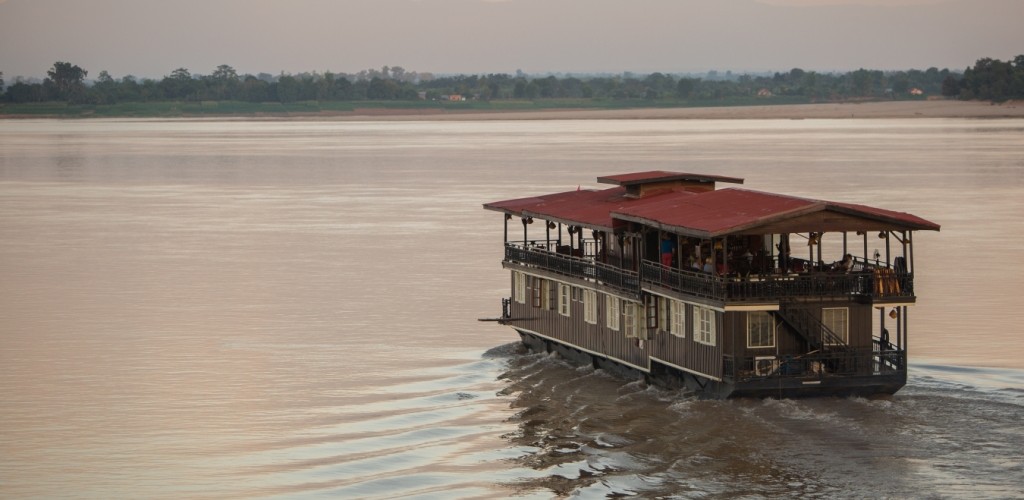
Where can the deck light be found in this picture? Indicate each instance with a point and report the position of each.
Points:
(893, 313)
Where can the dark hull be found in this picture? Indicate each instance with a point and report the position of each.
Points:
(768, 387)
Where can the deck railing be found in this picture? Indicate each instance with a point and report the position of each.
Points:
(864, 361)
(874, 282)
(574, 267)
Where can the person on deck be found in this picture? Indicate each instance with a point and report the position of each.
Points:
(668, 251)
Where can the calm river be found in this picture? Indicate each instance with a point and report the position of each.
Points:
(226, 309)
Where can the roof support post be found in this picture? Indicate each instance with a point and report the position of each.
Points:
(910, 238)
(888, 258)
(725, 255)
(547, 235)
(865, 245)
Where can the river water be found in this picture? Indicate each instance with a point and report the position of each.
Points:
(226, 309)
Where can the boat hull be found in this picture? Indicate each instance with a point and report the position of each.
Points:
(767, 387)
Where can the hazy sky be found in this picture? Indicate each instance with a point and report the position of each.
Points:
(151, 38)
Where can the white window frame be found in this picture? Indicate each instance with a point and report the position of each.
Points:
(519, 286)
(705, 332)
(761, 315)
(611, 308)
(828, 318)
(677, 313)
(590, 306)
(630, 319)
(564, 299)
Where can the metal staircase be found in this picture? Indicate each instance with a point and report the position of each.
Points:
(818, 336)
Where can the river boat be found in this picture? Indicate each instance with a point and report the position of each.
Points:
(728, 292)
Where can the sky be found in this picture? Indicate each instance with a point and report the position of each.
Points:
(151, 38)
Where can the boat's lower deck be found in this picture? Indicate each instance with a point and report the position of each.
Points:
(760, 387)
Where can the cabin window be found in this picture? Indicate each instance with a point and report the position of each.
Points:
(760, 329)
(564, 299)
(541, 293)
(611, 304)
(576, 294)
(519, 287)
(630, 319)
(590, 306)
(705, 334)
(652, 311)
(678, 324)
(835, 319)
(664, 314)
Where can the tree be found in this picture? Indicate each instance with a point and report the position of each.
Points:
(225, 73)
(179, 85)
(685, 87)
(66, 80)
(105, 88)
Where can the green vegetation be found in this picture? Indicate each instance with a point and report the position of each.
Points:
(66, 92)
(989, 80)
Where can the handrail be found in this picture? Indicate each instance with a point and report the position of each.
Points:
(575, 267)
(819, 335)
(873, 282)
(859, 361)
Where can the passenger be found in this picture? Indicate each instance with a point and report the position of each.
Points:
(668, 251)
(845, 265)
(708, 267)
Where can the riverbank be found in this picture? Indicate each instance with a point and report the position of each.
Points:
(889, 109)
(352, 112)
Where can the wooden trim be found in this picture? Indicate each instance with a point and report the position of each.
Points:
(687, 370)
(588, 351)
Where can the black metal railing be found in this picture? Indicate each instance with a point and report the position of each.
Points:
(574, 267)
(876, 283)
(816, 333)
(868, 281)
(853, 362)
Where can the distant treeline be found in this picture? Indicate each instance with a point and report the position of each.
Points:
(65, 82)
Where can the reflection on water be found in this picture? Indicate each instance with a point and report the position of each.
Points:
(211, 309)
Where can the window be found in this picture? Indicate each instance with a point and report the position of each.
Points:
(542, 293)
(611, 308)
(590, 306)
(519, 286)
(664, 314)
(564, 299)
(652, 311)
(705, 334)
(760, 329)
(630, 316)
(835, 319)
(678, 325)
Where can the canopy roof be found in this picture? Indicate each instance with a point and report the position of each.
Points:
(705, 214)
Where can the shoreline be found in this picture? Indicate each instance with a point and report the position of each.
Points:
(939, 108)
(847, 110)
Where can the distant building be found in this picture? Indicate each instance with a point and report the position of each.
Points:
(764, 93)
(916, 91)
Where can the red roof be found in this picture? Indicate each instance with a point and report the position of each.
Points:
(589, 208)
(701, 214)
(725, 211)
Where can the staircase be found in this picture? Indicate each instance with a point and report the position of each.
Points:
(818, 336)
